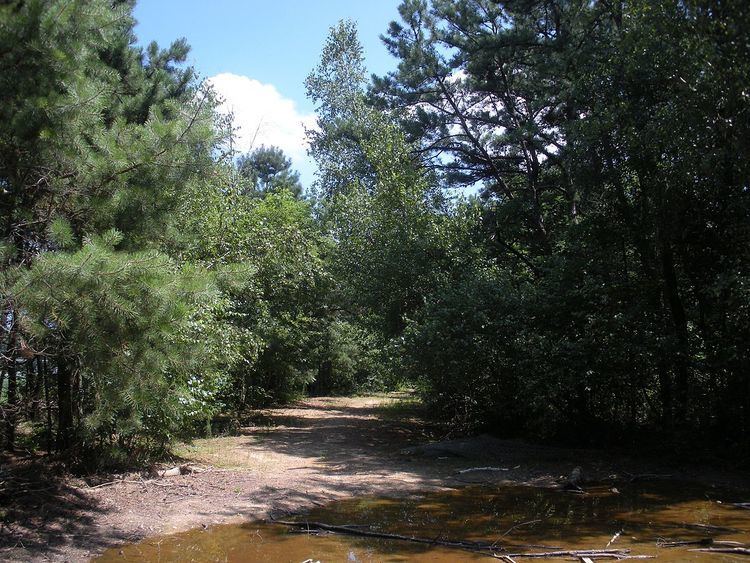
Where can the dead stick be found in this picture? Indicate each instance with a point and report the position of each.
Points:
(614, 539)
(591, 553)
(100, 485)
(704, 542)
(649, 477)
(467, 545)
(707, 527)
(475, 546)
(735, 550)
(509, 530)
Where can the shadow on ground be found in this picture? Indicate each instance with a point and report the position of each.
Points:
(40, 511)
(337, 435)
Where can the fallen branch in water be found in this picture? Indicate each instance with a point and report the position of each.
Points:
(648, 477)
(734, 550)
(490, 549)
(704, 542)
(351, 531)
(706, 528)
(614, 539)
(509, 530)
(472, 469)
(580, 554)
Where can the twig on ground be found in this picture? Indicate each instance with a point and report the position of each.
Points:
(102, 485)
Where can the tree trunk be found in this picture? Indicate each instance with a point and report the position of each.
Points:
(64, 406)
(322, 383)
(45, 379)
(679, 321)
(12, 406)
(665, 394)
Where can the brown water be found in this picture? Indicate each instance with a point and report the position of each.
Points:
(645, 515)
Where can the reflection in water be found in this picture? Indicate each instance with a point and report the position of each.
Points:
(515, 517)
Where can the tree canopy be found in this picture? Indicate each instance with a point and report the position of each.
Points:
(539, 219)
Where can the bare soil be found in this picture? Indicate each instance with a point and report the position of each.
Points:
(288, 460)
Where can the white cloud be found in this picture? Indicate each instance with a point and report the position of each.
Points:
(264, 116)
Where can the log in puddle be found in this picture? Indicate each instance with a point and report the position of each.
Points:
(670, 521)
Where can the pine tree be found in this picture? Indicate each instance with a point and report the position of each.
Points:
(269, 170)
(96, 136)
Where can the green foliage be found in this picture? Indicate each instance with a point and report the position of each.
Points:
(266, 257)
(123, 320)
(351, 359)
(337, 87)
(289, 272)
(269, 170)
(98, 142)
(461, 351)
(596, 287)
(91, 123)
(387, 236)
(611, 221)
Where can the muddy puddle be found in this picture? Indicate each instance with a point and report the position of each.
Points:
(640, 517)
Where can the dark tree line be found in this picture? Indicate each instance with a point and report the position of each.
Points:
(610, 141)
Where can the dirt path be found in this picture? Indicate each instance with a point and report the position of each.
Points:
(289, 459)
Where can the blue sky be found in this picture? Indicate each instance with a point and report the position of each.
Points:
(258, 53)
